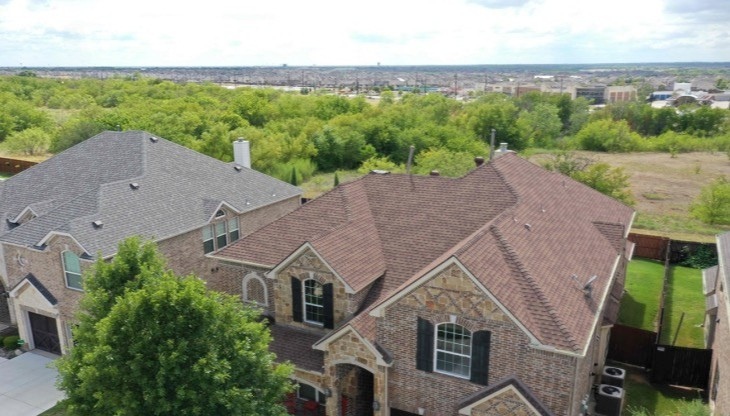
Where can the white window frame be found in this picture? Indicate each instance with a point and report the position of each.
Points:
(320, 397)
(454, 353)
(231, 227)
(222, 228)
(67, 271)
(305, 303)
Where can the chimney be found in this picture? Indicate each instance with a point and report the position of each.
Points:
(502, 150)
(478, 161)
(242, 153)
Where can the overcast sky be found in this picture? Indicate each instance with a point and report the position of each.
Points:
(360, 32)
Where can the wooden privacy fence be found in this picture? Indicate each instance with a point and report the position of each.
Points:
(681, 366)
(649, 246)
(631, 345)
(13, 166)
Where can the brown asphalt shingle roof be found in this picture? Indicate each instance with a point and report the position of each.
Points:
(520, 230)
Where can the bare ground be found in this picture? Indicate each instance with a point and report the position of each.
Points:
(664, 186)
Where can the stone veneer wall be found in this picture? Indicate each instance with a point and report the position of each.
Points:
(506, 403)
(549, 375)
(306, 266)
(349, 349)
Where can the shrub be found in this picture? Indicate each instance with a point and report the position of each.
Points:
(712, 206)
(11, 342)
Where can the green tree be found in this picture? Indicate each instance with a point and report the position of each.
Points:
(446, 162)
(608, 180)
(541, 125)
(611, 181)
(152, 343)
(32, 141)
(608, 136)
(712, 206)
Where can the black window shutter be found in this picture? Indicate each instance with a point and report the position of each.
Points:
(328, 305)
(296, 294)
(424, 346)
(480, 357)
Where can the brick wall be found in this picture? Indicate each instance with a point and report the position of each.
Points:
(185, 253)
(47, 267)
(720, 370)
(549, 375)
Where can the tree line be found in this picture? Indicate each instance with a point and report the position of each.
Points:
(290, 131)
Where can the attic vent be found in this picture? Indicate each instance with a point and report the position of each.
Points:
(237, 168)
(134, 185)
(97, 224)
(379, 172)
(154, 139)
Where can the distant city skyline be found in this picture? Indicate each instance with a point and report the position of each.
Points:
(37, 33)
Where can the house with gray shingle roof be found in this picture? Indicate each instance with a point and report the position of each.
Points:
(57, 217)
(398, 294)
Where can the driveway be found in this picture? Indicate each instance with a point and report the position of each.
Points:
(27, 385)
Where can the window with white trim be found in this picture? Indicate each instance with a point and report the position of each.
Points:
(232, 229)
(453, 350)
(220, 234)
(72, 270)
(307, 392)
(313, 302)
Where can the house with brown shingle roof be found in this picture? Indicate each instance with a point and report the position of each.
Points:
(492, 293)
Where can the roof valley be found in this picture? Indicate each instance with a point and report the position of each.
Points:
(535, 300)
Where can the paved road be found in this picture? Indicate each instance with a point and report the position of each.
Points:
(27, 385)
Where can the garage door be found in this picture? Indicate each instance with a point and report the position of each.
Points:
(45, 333)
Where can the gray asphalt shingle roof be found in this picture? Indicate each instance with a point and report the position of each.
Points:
(179, 190)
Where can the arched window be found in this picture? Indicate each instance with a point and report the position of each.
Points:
(453, 350)
(254, 289)
(313, 302)
(72, 270)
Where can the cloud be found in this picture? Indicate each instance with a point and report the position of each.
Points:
(500, 4)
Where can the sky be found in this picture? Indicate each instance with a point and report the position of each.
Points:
(143, 33)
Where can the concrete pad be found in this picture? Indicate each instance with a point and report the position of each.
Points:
(27, 384)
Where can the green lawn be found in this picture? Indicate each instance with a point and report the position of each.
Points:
(640, 304)
(684, 296)
(644, 398)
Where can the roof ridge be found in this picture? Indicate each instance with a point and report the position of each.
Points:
(531, 290)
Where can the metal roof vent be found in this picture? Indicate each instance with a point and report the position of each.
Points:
(237, 168)
(154, 139)
(97, 224)
(528, 227)
(379, 172)
(435, 173)
(134, 185)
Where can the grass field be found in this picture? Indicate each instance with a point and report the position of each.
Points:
(640, 304)
(644, 398)
(684, 297)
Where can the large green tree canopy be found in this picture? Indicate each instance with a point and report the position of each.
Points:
(152, 343)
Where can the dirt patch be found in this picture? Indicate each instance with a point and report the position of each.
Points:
(662, 185)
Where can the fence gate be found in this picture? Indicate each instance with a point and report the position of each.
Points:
(689, 367)
(631, 345)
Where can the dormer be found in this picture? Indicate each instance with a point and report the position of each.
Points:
(25, 215)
